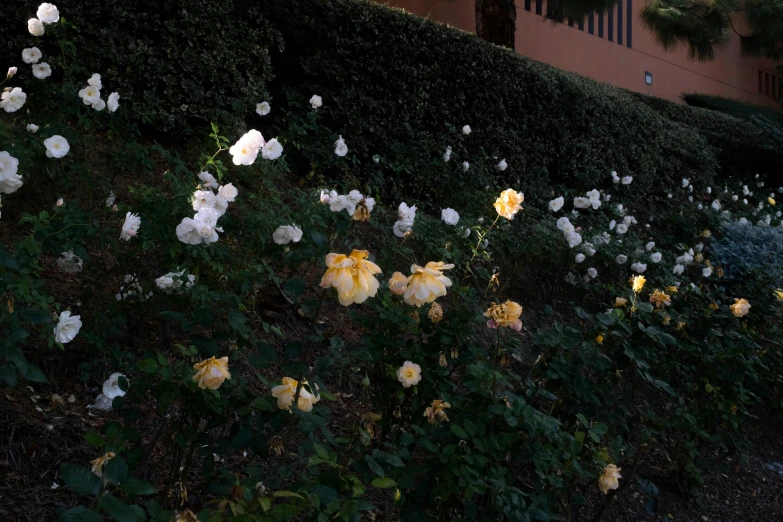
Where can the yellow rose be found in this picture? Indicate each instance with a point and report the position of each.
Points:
(409, 374)
(427, 283)
(660, 299)
(599, 339)
(286, 392)
(100, 462)
(436, 313)
(667, 320)
(398, 283)
(436, 412)
(778, 294)
(353, 277)
(509, 203)
(706, 233)
(505, 314)
(620, 301)
(680, 325)
(740, 308)
(672, 289)
(211, 373)
(771, 201)
(609, 479)
(638, 283)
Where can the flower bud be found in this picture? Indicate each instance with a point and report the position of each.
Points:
(11, 71)
(365, 381)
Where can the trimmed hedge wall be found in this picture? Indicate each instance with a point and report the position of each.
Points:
(174, 62)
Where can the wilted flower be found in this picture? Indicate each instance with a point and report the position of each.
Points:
(35, 27)
(620, 301)
(31, 55)
(56, 146)
(436, 412)
(638, 283)
(315, 101)
(436, 313)
(69, 263)
(130, 227)
(352, 276)
(740, 308)
(409, 374)
(42, 70)
(211, 373)
(67, 328)
(504, 314)
(425, 284)
(111, 386)
(340, 148)
(286, 234)
(449, 216)
(609, 479)
(13, 100)
(285, 393)
(99, 463)
(113, 102)
(263, 108)
(509, 203)
(660, 299)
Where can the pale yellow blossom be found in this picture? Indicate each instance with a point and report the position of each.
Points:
(211, 373)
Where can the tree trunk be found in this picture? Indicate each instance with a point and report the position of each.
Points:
(496, 21)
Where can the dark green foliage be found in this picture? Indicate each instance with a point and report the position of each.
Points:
(180, 62)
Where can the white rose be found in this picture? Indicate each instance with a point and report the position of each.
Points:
(187, 232)
(35, 27)
(707, 272)
(90, 95)
(622, 228)
(13, 100)
(556, 204)
(113, 102)
(655, 257)
(447, 154)
(639, 268)
(130, 227)
(621, 259)
(272, 150)
(678, 269)
(579, 257)
(716, 205)
(286, 234)
(56, 146)
(42, 70)
(111, 387)
(502, 165)
(207, 180)
(31, 55)
(315, 101)
(10, 181)
(32, 128)
(465, 165)
(449, 216)
(401, 227)
(99, 105)
(263, 108)
(573, 239)
(685, 182)
(95, 81)
(627, 180)
(48, 13)
(592, 272)
(466, 130)
(340, 148)
(228, 192)
(67, 328)
(582, 202)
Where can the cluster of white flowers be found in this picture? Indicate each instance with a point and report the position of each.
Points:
(91, 95)
(573, 238)
(348, 202)
(209, 207)
(10, 180)
(405, 217)
(593, 200)
(286, 234)
(47, 14)
(111, 390)
(245, 150)
(69, 263)
(625, 180)
(173, 281)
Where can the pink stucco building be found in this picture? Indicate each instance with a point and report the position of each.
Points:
(615, 48)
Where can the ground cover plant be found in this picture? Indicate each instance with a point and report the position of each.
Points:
(256, 326)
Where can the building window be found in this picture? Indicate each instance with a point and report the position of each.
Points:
(766, 84)
(760, 91)
(620, 22)
(648, 77)
(773, 85)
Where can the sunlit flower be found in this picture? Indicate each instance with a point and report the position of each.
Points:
(427, 283)
(13, 100)
(42, 70)
(286, 234)
(504, 314)
(435, 313)
(502, 165)
(660, 299)
(609, 479)
(285, 393)
(245, 150)
(111, 387)
(67, 327)
(620, 301)
(315, 101)
(638, 283)
(740, 308)
(437, 411)
(778, 293)
(10, 180)
(48, 13)
(409, 374)
(509, 203)
(449, 216)
(31, 55)
(130, 227)
(113, 102)
(263, 108)
(99, 463)
(35, 27)
(352, 276)
(340, 148)
(211, 373)
(272, 150)
(69, 263)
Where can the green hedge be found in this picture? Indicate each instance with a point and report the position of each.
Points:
(745, 147)
(174, 62)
